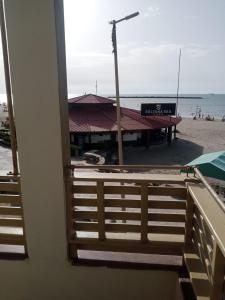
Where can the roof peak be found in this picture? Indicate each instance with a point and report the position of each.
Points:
(90, 99)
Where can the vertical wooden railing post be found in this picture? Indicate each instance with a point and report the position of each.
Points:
(23, 222)
(71, 230)
(218, 269)
(144, 212)
(189, 219)
(101, 210)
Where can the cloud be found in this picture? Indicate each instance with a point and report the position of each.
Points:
(199, 50)
(155, 50)
(152, 11)
(190, 50)
(89, 59)
(145, 67)
(191, 17)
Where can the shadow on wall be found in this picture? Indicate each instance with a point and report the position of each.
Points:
(179, 152)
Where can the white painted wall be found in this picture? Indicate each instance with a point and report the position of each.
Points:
(97, 138)
(47, 274)
(130, 137)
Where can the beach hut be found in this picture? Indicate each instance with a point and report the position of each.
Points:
(93, 121)
(211, 164)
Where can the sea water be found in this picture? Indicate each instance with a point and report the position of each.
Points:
(208, 104)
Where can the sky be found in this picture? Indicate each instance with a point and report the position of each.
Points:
(148, 46)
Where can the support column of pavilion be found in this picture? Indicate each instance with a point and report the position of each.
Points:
(169, 135)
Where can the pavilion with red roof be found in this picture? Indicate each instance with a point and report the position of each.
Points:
(93, 120)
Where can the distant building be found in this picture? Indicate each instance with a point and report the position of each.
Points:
(93, 121)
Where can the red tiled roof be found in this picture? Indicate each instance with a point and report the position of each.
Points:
(90, 99)
(103, 119)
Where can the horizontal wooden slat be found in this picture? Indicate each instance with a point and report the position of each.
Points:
(84, 189)
(166, 217)
(9, 187)
(129, 167)
(82, 215)
(84, 202)
(122, 228)
(86, 226)
(122, 189)
(161, 248)
(11, 222)
(168, 191)
(167, 204)
(108, 227)
(166, 229)
(127, 203)
(13, 199)
(132, 203)
(123, 216)
(108, 215)
(161, 217)
(10, 211)
(12, 239)
(9, 178)
(133, 178)
(93, 227)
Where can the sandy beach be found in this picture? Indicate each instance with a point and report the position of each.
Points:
(195, 137)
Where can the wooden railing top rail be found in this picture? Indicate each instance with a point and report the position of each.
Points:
(210, 189)
(130, 167)
(131, 177)
(211, 211)
(8, 177)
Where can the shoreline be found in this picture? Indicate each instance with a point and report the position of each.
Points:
(159, 97)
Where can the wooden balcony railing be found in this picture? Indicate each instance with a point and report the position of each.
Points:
(12, 236)
(204, 251)
(150, 213)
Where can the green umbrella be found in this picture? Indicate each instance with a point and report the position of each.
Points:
(211, 164)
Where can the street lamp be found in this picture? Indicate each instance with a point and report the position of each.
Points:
(178, 83)
(114, 42)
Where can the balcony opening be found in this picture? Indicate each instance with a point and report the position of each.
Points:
(149, 209)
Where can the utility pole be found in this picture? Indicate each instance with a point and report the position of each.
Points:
(178, 83)
(178, 87)
(118, 111)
